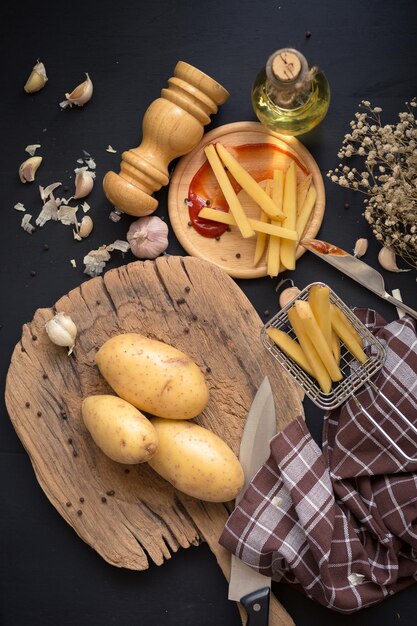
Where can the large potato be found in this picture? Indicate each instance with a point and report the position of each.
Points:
(119, 429)
(196, 461)
(153, 376)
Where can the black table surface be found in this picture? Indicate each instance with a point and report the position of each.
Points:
(367, 50)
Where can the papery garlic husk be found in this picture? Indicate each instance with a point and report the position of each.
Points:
(37, 78)
(361, 246)
(84, 183)
(387, 259)
(81, 94)
(27, 169)
(148, 237)
(288, 294)
(62, 331)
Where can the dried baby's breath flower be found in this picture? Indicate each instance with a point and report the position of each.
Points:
(388, 178)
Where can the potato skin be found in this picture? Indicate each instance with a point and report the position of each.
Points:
(119, 429)
(196, 461)
(153, 376)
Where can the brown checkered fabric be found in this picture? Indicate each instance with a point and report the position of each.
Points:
(341, 523)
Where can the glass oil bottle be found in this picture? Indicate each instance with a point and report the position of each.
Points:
(288, 96)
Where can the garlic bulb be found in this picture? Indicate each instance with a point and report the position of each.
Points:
(288, 294)
(386, 258)
(37, 78)
(62, 331)
(148, 237)
(80, 95)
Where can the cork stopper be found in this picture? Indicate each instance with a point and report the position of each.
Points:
(286, 66)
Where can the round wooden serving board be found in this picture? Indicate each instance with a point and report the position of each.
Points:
(223, 252)
(128, 514)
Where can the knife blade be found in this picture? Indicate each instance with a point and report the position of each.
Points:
(246, 585)
(353, 267)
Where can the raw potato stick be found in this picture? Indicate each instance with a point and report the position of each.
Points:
(261, 238)
(232, 200)
(352, 345)
(316, 364)
(290, 347)
(319, 300)
(261, 227)
(305, 211)
(274, 245)
(302, 190)
(248, 183)
(334, 310)
(290, 211)
(317, 338)
(336, 347)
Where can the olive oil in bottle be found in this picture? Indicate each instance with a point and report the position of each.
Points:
(288, 96)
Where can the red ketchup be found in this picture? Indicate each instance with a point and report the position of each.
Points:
(204, 190)
(325, 248)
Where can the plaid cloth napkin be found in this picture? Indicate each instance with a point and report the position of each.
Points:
(341, 523)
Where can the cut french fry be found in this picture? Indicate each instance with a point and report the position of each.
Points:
(311, 327)
(319, 300)
(274, 245)
(232, 200)
(249, 184)
(261, 227)
(311, 354)
(336, 347)
(344, 320)
(305, 211)
(350, 342)
(302, 189)
(261, 238)
(289, 207)
(290, 347)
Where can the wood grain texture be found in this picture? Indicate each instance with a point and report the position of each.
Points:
(223, 252)
(143, 517)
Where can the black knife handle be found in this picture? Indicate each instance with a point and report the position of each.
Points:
(257, 607)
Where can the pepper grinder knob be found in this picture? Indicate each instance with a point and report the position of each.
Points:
(172, 126)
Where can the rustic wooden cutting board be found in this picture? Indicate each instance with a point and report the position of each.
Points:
(128, 514)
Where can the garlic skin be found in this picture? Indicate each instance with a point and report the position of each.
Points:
(361, 246)
(148, 237)
(37, 78)
(288, 294)
(27, 169)
(84, 183)
(80, 95)
(387, 260)
(62, 331)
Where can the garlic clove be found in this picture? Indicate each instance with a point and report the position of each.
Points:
(288, 294)
(37, 78)
(361, 246)
(86, 226)
(27, 169)
(387, 260)
(84, 183)
(148, 237)
(80, 95)
(62, 331)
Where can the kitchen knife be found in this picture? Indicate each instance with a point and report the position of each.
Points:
(246, 585)
(354, 268)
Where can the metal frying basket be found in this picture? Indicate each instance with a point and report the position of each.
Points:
(355, 374)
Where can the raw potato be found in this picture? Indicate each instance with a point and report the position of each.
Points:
(196, 461)
(119, 429)
(153, 376)
(290, 347)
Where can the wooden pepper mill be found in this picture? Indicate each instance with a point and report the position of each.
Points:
(172, 126)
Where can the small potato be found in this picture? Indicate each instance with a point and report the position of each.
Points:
(196, 461)
(119, 429)
(153, 376)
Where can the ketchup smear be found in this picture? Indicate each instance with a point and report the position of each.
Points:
(204, 190)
